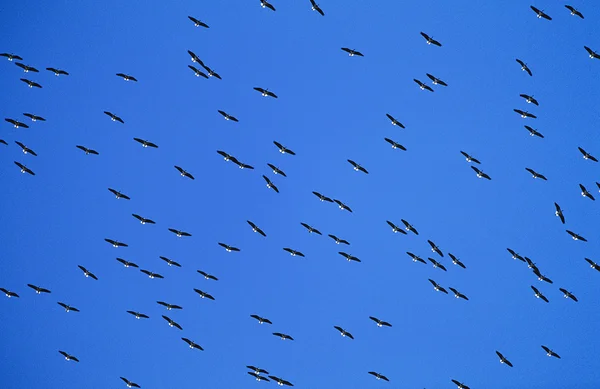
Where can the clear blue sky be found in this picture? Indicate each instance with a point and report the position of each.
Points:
(331, 108)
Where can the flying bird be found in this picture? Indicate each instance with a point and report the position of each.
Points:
(394, 121)
(525, 114)
(338, 240)
(179, 233)
(576, 236)
(280, 381)
(437, 287)
(130, 384)
(460, 385)
(87, 273)
(567, 294)
(203, 294)
(357, 167)
(293, 253)
(86, 150)
(315, 7)
(435, 80)
(342, 206)
(16, 123)
(195, 58)
(114, 117)
(409, 227)
(470, 158)
(265, 92)
(380, 323)
(270, 185)
(395, 228)
(276, 170)
(211, 73)
(8, 293)
(34, 118)
(3, 142)
(283, 149)
(183, 172)
(574, 11)
(415, 257)
(591, 53)
(168, 306)
(349, 257)
(535, 174)
(310, 229)
(207, 276)
(559, 213)
(198, 23)
(587, 155)
(138, 315)
(503, 360)
(27, 68)
(192, 344)
(524, 67)
(456, 261)
(145, 143)
(540, 14)
(68, 308)
(265, 4)
(255, 228)
(435, 248)
(430, 40)
(257, 370)
(395, 145)
(118, 194)
(585, 193)
(261, 320)
(171, 322)
(170, 262)
(57, 72)
(38, 290)
(539, 294)
(258, 376)
(227, 116)
(379, 376)
(126, 77)
(11, 57)
(458, 295)
(480, 173)
(151, 274)
(68, 357)
(127, 263)
(436, 264)
(422, 85)
(228, 248)
(529, 99)
(283, 336)
(540, 276)
(30, 83)
(534, 132)
(550, 353)
(322, 198)
(197, 72)
(25, 149)
(143, 220)
(593, 264)
(352, 53)
(343, 332)
(24, 169)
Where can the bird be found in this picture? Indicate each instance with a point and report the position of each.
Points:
(395, 228)
(38, 290)
(261, 320)
(539, 294)
(203, 294)
(534, 132)
(524, 67)
(593, 264)
(129, 384)
(118, 194)
(587, 155)
(87, 273)
(540, 14)
(127, 263)
(3, 142)
(168, 306)
(283, 149)
(265, 92)
(349, 257)
(207, 276)
(379, 376)
(592, 53)
(394, 121)
(470, 158)
(57, 72)
(280, 381)
(409, 227)
(460, 385)
(198, 23)
(27, 68)
(68, 357)
(192, 344)
(24, 169)
(480, 173)
(68, 308)
(293, 253)
(531, 265)
(456, 261)
(342, 206)
(535, 174)
(567, 294)
(11, 57)
(435, 248)
(550, 353)
(211, 73)
(352, 52)
(423, 86)
(458, 295)
(145, 143)
(138, 315)
(395, 145)
(255, 228)
(310, 229)
(540, 276)
(576, 236)
(435, 80)
(195, 58)
(415, 257)
(151, 274)
(265, 4)
(315, 7)
(503, 360)
(114, 117)
(357, 167)
(34, 118)
(430, 40)
(227, 116)
(170, 262)
(436, 264)
(559, 213)
(30, 83)
(322, 198)
(228, 157)
(257, 370)
(283, 336)
(179, 233)
(343, 332)
(126, 77)
(258, 376)
(197, 72)
(171, 322)
(585, 193)
(276, 170)
(16, 123)
(270, 185)
(437, 287)
(183, 172)
(86, 150)
(338, 240)
(8, 293)
(574, 11)
(228, 248)
(525, 114)
(529, 99)
(25, 149)
(143, 220)
(380, 323)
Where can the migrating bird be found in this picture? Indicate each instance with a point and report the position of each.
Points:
(168, 306)
(379, 376)
(292, 252)
(437, 287)
(283, 336)
(8, 293)
(179, 233)
(255, 228)
(30, 83)
(311, 229)
(203, 294)
(24, 169)
(197, 72)
(258, 376)
(456, 261)
(540, 14)
(503, 360)
(435, 80)
(195, 58)
(539, 294)
(395, 228)
(228, 248)
(430, 40)
(86, 150)
(138, 315)
(270, 185)
(118, 194)
(16, 123)
(265, 92)
(357, 167)
(409, 227)
(228, 157)
(265, 4)
(480, 173)
(436, 264)
(183, 172)
(27, 68)
(322, 198)
(394, 121)
(423, 86)
(524, 67)
(576, 236)
(592, 53)
(550, 353)
(416, 258)
(171, 322)
(257, 370)
(536, 174)
(567, 294)
(585, 193)
(460, 385)
(280, 381)
(261, 319)
(57, 72)
(380, 323)
(87, 273)
(38, 290)
(395, 145)
(338, 240)
(458, 295)
(211, 73)
(342, 206)
(130, 384)
(126, 77)
(145, 143)
(34, 118)
(114, 117)
(283, 149)
(470, 158)
(316, 7)
(192, 344)
(127, 263)
(559, 213)
(529, 99)
(276, 170)
(143, 220)
(525, 114)
(587, 155)
(352, 53)
(343, 332)
(198, 23)
(574, 11)
(150, 274)
(349, 257)
(540, 276)
(68, 308)
(593, 264)
(68, 357)
(207, 276)
(170, 262)
(11, 57)
(435, 248)
(25, 149)
(227, 116)
(534, 132)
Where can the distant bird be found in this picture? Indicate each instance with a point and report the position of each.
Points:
(379, 376)
(151, 274)
(261, 320)
(435, 80)
(170, 262)
(145, 143)
(540, 14)
(415, 257)
(531, 265)
(280, 381)
(525, 114)
(316, 7)
(567, 294)
(480, 173)
(380, 323)
(357, 167)
(310, 229)
(322, 198)
(30, 83)
(228, 248)
(276, 170)
(265, 4)
(283, 149)
(524, 67)
(211, 73)
(203, 295)
(536, 174)
(126, 77)
(198, 23)
(457, 294)
(293, 253)
(422, 85)
(228, 157)
(265, 92)
(27, 68)
(585, 193)
(258, 376)
(197, 72)
(24, 169)
(436, 264)
(593, 264)
(283, 336)
(255, 228)
(143, 220)
(437, 287)
(394, 121)
(118, 194)
(395, 145)
(86, 150)
(3, 142)
(192, 344)
(16, 123)
(591, 53)
(183, 172)
(460, 385)
(227, 116)
(38, 290)
(138, 315)
(257, 370)
(168, 306)
(550, 353)
(539, 294)
(25, 149)
(130, 384)
(338, 240)
(179, 233)
(540, 276)
(34, 118)
(342, 206)
(534, 132)
(503, 360)
(430, 40)
(587, 155)
(270, 185)
(57, 72)
(87, 273)
(343, 332)
(207, 276)
(352, 53)
(576, 236)
(114, 117)
(559, 213)
(127, 263)
(409, 227)
(456, 261)
(68, 308)
(171, 322)
(529, 99)
(435, 248)
(195, 58)
(68, 357)
(574, 11)
(395, 228)
(470, 158)
(349, 257)
(8, 293)
(11, 57)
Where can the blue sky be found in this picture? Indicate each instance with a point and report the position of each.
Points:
(331, 108)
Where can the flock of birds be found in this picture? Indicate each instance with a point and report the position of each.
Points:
(200, 69)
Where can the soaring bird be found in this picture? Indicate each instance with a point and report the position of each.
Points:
(11, 57)
(143, 220)
(170, 262)
(422, 85)
(171, 322)
(436, 264)
(169, 306)
(283, 336)
(435, 80)
(538, 294)
(255, 228)
(349, 257)
(179, 233)
(322, 198)
(534, 132)
(574, 11)
(593, 264)
(261, 320)
(316, 7)
(198, 23)
(525, 114)
(34, 118)
(280, 381)
(114, 117)
(379, 376)
(127, 263)
(515, 255)
(437, 287)
(38, 290)
(195, 58)
(457, 294)
(310, 229)
(415, 257)
(503, 360)
(265, 4)
(25, 149)
(536, 174)
(409, 227)
(8, 293)
(456, 261)
(338, 240)
(567, 294)
(380, 323)
(258, 376)
(430, 40)
(270, 185)
(227, 116)
(151, 274)
(559, 213)
(265, 92)
(145, 143)
(342, 206)
(276, 170)
(257, 370)
(394, 121)
(192, 344)
(24, 169)
(27, 68)
(68, 308)
(576, 236)
(130, 384)
(395, 228)
(138, 315)
(357, 167)
(207, 276)
(118, 194)
(16, 123)
(68, 357)
(343, 332)
(283, 149)
(540, 276)
(197, 72)
(3, 142)
(211, 73)
(57, 72)
(591, 53)
(87, 273)
(203, 295)
(395, 145)
(183, 172)
(126, 77)
(30, 83)
(435, 248)
(524, 67)
(352, 52)
(529, 99)
(86, 150)
(228, 248)
(293, 253)
(540, 14)
(460, 385)
(480, 173)
(587, 155)
(585, 193)
(469, 158)
(550, 353)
